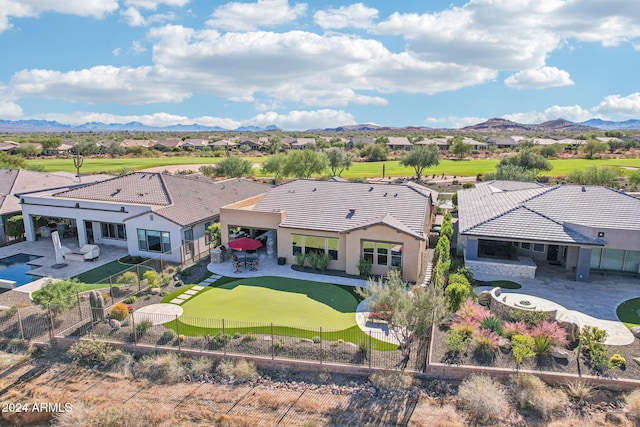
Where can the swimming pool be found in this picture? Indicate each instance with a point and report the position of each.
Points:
(16, 267)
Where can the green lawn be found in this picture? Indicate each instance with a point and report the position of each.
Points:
(252, 305)
(629, 312)
(505, 284)
(358, 170)
(97, 278)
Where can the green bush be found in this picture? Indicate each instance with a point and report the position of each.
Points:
(131, 300)
(92, 352)
(142, 327)
(300, 259)
(522, 347)
(119, 312)
(316, 339)
(220, 339)
(492, 323)
(128, 278)
(249, 338)
(162, 369)
(455, 294)
(364, 267)
(152, 278)
(456, 340)
(168, 335)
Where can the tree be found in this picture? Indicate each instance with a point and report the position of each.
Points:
(50, 143)
(115, 149)
(375, 152)
(59, 296)
(614, 134)
(421, 158)
(550, 150)
(460, 149)
(512, 173)
(233, 167)
(527, 159)
(634, 178)
(593, 147)
(12, 161)
(215, 235)
(28, 150)
(594, 175)
(15, 226)
(411, 314)
(382, 140)
(304, 163)
(86, 148)
(274, 165)
(339, 160)
(273, 145)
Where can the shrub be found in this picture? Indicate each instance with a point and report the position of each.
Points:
(470, 310)
(483, 399)
(542, 345)
(591, 336)
(181, 337)
(553, 331)
(617, 361)
(240, 370)
(381, 311)
(220, 339)
(515, 328)
(530, 392)
(92, 352)
(364, 267)
(168, 335)
(531, 318)
(465, 327)
(128, 278)
(236, 335)
(323, 262)
(162, 369)
(485, 342)
(130, 300)
(300, 259)
(459, 278)
(455, 294)
(456, 340)
(152, 278)
(119, 311)
(249, 338)
(493, 324)
(200, 365)
(523, 347)
(278, 345)
(598, 359)
(316, 340)
(142, 327)
(632, 401)
(314, 260)
(579, 390)
(391, 380)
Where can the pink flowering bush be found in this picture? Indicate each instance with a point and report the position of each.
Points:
(465, 327)
(485, 342)
(515, 328)
(469, 310)
(551, 330)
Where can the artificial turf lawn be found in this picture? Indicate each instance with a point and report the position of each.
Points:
(253, 305)
(629, 312)
(505, 284)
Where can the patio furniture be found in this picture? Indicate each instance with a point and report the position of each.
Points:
(244, 244)
(87, 252)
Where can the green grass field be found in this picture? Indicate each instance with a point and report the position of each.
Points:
(296, 308)
(358, 170)
(629, 312)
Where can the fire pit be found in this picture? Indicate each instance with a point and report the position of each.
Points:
(524, 304)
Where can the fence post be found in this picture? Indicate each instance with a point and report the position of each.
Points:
(321, 346)
(370, 349)
(79, 305)
(161, 264)
(178, 331)
(273, 347)
(20, 324)
(50, 321)
(111, 293)
(135, 334)
(224, 338)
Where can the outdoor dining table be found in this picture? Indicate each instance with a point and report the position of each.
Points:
(245, 261)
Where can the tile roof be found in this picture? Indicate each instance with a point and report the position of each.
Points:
(343, 206)
(533, 212)
(17, 181)
(183, 200)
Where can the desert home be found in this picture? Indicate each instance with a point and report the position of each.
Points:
(384, 224)
(508, 228)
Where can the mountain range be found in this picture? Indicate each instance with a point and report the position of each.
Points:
(490, 126)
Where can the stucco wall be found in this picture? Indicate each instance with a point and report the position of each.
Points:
(525, 268)
(152, 221)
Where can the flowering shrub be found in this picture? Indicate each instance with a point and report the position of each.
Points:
(556, 334)
(617, 361)
(515, 328)
(485, 342)
(382, 312)
(119, 312)
(470, 310)
(466, 327)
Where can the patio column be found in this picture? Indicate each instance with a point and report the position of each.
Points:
(29, 228)
(471, 251)
(583, 265)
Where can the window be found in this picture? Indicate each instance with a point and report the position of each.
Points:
(538, 247)
(382, 253)
(113, 231)
(154, 241)
(296, 244)
(188, 235)
(309, 244)
(525, 245)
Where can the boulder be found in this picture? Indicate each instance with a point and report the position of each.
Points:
(4, 308)
(156, 290)
(504, 343)
(560, 353)
(573, 330)
(115, 324)
(636, 331)
(637, 360)
(484, 298)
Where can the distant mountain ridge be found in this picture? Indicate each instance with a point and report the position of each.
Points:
(495, 125)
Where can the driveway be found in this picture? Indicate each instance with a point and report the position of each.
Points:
(593, 303)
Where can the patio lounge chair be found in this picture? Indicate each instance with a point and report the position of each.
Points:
(87, 252)
(254, 264)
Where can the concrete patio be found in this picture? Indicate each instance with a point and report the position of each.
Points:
(593, 303)
(44, 248)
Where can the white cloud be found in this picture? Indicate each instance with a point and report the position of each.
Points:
(153, 4)
(237, 16)
(33, 8)
(301, 120)
(10, 110)
(134, 17)
(356, 16)
(618, 105)
(539, 78)
(574, 113)
(117, 51)
(98, 84)
(137, 47)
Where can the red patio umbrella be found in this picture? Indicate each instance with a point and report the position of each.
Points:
(245, 244)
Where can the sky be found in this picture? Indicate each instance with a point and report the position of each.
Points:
(321, 64)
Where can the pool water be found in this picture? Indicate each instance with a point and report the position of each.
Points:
(16, 267)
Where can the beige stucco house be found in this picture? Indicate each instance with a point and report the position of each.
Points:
(386, 224)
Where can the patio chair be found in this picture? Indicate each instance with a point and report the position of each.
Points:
(254, 264)
(236, 266)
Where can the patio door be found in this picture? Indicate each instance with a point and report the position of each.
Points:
(88, 226)
(552, 252)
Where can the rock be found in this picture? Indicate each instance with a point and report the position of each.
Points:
(4, 308)
(115, 324)
(504, 343)
(266, 338)
(637, 360)
(615, 418)
(573, 330)
(156, 290)
(484, 298)
(636, 331)
(306, 340)
(560, 353)
(372, 390)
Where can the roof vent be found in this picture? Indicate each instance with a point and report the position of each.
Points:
(314, 189)
(370, 188)
(385, 195)
(352, 211)
(584, 189)
(395, 195)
